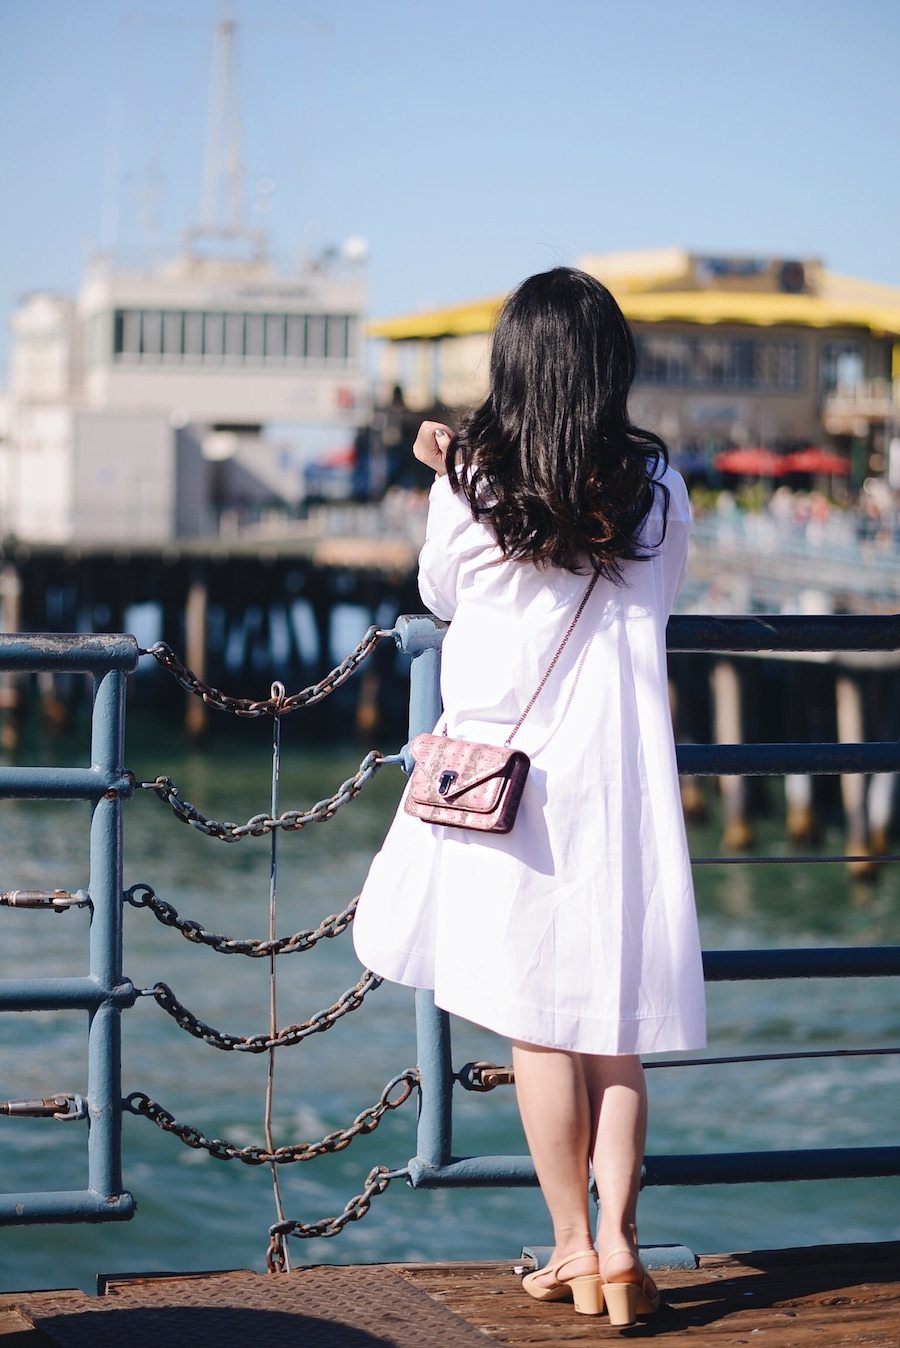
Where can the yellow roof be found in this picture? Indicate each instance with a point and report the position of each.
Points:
(459, 320)
(842, 302)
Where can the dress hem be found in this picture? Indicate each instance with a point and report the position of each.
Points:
(685, 1034)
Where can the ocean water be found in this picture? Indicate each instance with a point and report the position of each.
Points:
(194, 1212)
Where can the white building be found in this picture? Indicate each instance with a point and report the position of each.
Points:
(141, 409)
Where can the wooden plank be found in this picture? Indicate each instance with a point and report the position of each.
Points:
(830, 1295)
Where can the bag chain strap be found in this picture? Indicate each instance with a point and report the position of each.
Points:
(552, 665)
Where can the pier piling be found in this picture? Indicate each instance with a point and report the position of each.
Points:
(728, 729)
(851, 729)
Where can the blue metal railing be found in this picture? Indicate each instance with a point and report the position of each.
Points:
(103, 991)
(434, 1164)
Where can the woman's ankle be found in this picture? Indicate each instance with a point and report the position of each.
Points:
(617, 1249)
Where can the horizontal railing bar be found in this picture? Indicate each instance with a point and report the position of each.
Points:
(473, 1172)
(720, 966)
(772, 1167)
(696, 634)
(801, 859)
(52, 783)
(80, 653)
(799, 1055)
(776, 760)
(62, 994)
(64, 1205)
(690, 633)
(485, 1076)
(714, 1168)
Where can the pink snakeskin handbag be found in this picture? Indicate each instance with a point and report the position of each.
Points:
(463, 784)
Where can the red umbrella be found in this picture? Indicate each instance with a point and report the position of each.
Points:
(750, 461)
(813, 459)
(338, 458)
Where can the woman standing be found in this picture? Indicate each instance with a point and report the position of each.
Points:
(575, 934)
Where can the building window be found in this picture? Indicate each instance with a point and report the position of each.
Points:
(127, 333)
(275, 348)
(296, 337)
(172, 334)
(234, 336)
(213, 336)
(152, 336)
(315, 337)
(842, 365)
(151, 333)
(336, 339)
(744, 362)
(676, 360)
(254, 336)
(193, 335)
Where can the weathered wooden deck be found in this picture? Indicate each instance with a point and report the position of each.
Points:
(828, 1296)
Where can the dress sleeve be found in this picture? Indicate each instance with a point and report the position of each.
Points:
(678, 532)
(454, 542)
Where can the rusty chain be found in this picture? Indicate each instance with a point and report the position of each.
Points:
(277, 705)
(223, 1150)
(261, 1043)
(377, 1180)
(333, 925)
(281, 705)
(261, 824)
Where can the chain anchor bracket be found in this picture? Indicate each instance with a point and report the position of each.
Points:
(484, 1076)
(59, 900)
(65, 1108)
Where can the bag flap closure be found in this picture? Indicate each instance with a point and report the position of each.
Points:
(481, 772)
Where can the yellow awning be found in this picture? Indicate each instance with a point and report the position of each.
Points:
(761, 310)
(865, 309)
(460, 320)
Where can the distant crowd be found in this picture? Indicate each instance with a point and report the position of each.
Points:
(869, 523)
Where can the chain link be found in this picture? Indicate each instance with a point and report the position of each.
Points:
(377, 1180)
(143, 896)
(333, 925)
(261, 824)
(272, 706)
(223, 1150)
(348, 1001)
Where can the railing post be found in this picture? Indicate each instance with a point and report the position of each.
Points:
(106, 886)
(421, 637)
(104, 991)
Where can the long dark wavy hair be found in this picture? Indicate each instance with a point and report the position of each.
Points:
(550, 460)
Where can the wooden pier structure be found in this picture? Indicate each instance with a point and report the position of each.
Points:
(229, 608)
(833, 1296)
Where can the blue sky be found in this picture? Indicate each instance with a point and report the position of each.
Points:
(470, 143)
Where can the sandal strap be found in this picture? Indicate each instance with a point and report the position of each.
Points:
(569, 1259)
(614, 1254)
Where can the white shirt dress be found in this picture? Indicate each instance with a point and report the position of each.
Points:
(577, 930)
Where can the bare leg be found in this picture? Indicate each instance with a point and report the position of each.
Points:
(556, 1114)
(618, 1100)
